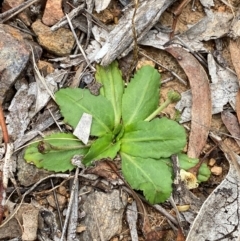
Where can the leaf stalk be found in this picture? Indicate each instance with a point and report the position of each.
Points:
(173, 96)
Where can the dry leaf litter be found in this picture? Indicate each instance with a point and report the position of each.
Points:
(201, 62)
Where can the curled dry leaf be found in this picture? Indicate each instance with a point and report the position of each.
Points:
(213, 26)
(201, 101)
(224, 88)
(102, 169)
(231, 122)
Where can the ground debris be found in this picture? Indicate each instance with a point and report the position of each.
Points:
(104, 31)
(10, 70)
(52, 12)
(224, 88)
(218, 218)
(213, 26)
(59, 42)
(120, 39)
(103, 215)
(33, 173)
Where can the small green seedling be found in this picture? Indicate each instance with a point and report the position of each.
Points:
(124, 122)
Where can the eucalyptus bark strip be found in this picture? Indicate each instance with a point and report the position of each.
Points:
(121, 40)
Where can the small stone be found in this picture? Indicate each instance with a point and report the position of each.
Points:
(53, 12)
(80, 229)
(45, 67)
(14, 56)
(61, 201)
(59, 42)
(11, 230)
(105, 16)
(183, 208)
(211, 162)
(17, 34)
(62, 190)
(107, 209)
(29, 174)
(216, 170)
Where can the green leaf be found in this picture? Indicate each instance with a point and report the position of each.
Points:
(186, 163)
(155, 139)
(74, 102)
(141, 97)
(111, 79)
(153, 177)
(57, 157)
(102, 148)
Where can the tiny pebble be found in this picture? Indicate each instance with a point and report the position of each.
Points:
(211, 162)
(61, 201)
(216, 170)
(87, 78)
(183, 208)
(62, 190)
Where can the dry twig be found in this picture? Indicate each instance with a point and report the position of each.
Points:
(70, 203)
(16, 10)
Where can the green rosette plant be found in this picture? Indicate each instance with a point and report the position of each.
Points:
(124, 122)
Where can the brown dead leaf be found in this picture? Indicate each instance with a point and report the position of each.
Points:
(235, 56)
(201, 100)
(102, 169)
(231, 122)
(180, 235)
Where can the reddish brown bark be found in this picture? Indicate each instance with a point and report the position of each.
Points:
(6, 140)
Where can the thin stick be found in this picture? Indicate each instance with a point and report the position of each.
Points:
(90, 6)
(176, 14)
(73, 219)
(40, 77)
(135, 43)
(70, 204)
(78, 44)
(29, 191)
(57, 204)
(16, 10)
(193, 6)
(2, 195)
(173, 73)
(198, 56)
(3, 126)
(96, 20)
(59, 127)
(166, 214)
(71, 15)
(176, 210)
(50, 190)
